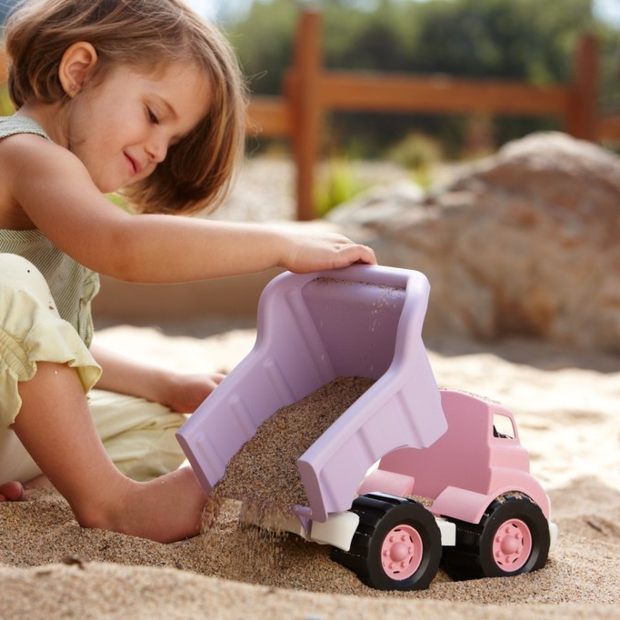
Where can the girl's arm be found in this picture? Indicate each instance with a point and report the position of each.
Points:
(56, 192)
(181, 392)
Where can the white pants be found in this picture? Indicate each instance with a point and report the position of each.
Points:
(137, 434)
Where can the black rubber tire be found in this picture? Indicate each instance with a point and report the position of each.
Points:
(472, 557)
(379, 515)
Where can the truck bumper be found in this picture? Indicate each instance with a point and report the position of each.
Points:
(553, 535)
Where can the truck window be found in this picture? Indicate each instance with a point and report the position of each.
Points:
(503, 427)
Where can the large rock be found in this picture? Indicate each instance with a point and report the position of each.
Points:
(526, 243)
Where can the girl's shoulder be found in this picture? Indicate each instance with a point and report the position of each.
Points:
(29, 159)
(20, 141)
(14, 125)
(22, 149)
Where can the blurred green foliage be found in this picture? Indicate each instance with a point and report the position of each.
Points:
(530, 40)
(6, 107)
(338, 183)
(418, 153)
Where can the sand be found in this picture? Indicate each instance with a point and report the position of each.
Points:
(263, 474)
(566, 404)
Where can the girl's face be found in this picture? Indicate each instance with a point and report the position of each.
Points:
(122, 127)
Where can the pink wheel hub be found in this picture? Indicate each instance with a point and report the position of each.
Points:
(512, 545)
(401, 552)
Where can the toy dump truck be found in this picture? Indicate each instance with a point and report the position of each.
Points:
(483, 514)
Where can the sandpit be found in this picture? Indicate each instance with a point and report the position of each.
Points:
(566, 405)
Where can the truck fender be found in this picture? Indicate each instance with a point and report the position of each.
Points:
(470, 506)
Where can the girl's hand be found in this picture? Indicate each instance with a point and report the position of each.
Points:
(184, 393)
(309, 252)
(178, 391)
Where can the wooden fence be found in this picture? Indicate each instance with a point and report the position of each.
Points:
(310, 92)
(2, 66)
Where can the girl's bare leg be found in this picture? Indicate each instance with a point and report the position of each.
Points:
(56, 428)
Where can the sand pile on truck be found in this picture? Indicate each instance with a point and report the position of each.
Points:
(263, 475)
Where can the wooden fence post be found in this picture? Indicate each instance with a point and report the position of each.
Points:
(304, 91)
(582, 113)
(3, 75)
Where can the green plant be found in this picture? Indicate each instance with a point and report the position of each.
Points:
(6, 107)
(338, 183)
(418, 153)
(120, 202)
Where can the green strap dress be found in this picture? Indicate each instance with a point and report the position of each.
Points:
(72, 285)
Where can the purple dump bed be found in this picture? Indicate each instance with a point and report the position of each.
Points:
(363, 321)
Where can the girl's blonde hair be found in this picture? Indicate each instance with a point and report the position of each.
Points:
(145, 34)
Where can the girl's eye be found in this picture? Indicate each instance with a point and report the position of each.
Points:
(152, 116)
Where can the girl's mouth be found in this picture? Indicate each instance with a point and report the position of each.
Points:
(134, 165)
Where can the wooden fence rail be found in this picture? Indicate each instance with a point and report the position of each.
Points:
(310, 92)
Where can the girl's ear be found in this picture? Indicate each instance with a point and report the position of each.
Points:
(76, 66)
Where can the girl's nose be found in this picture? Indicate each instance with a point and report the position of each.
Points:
(157, 150)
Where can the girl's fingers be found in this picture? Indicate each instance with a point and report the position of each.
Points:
(357, 254)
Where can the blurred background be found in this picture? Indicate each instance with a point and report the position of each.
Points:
(527, 41)
(524, 40)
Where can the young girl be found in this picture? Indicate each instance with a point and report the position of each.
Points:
(145, 97)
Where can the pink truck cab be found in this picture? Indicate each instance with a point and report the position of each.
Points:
(482, 512)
